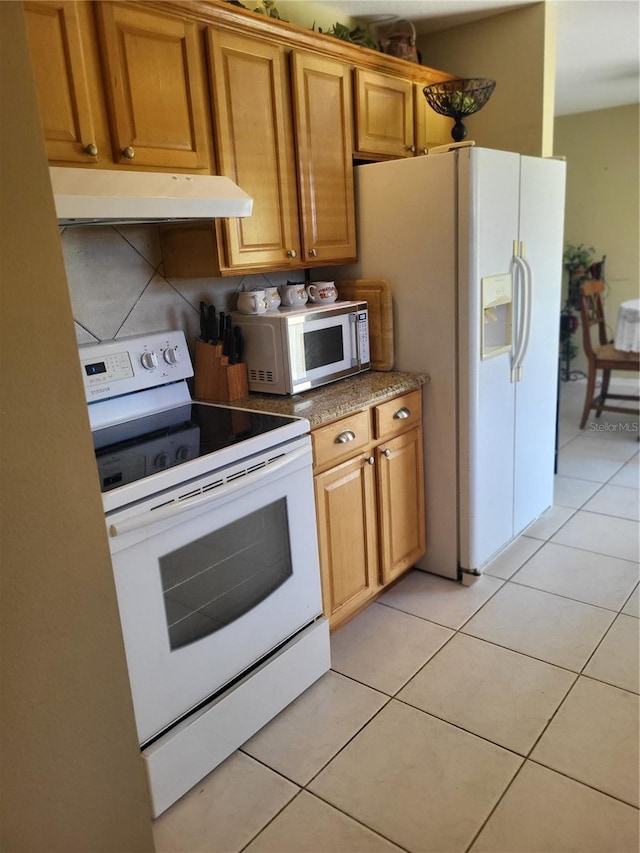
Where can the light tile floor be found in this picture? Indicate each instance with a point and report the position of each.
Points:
(497, 718)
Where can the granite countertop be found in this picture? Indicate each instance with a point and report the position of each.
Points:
(325, 404)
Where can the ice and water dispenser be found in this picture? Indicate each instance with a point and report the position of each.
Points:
(497, 305)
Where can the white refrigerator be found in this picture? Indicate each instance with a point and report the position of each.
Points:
(470, 241)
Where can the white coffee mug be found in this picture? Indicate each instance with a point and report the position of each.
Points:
(273, 298)
(293, 295)
(252, 302)
(322, 291)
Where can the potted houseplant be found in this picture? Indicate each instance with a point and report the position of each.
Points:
(577, 260)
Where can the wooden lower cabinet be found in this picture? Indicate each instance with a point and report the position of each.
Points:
(347, 536)
(370, 504)
(399, 469)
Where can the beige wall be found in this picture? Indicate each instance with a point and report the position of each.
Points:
(306, 13)
(72, 776)
(517, 49)
(603, 201)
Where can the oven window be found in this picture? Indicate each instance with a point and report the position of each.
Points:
(323, 346)
(214, 580)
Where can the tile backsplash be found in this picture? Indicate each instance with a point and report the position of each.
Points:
(117, 286)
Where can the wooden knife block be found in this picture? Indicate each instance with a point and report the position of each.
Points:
(217, 381)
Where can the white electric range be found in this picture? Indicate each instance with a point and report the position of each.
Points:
(210, 516)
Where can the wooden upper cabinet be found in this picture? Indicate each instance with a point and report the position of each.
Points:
(384, 114)
(324, 147)
(155, 88)
(62, 46)
(254, 143)
(431, 128)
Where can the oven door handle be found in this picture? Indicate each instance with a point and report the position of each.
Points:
(227, 490)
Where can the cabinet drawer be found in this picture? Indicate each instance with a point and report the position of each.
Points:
(341, 439)
(397, 415)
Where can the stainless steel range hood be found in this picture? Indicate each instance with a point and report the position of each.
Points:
(102, 196)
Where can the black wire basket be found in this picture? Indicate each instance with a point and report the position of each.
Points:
(459, 98)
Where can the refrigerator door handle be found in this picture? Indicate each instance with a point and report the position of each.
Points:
(524, 317)
(528, 283)
(520, 292)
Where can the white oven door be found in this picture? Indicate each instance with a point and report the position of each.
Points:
(211, 577)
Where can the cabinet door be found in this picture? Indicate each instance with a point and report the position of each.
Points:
(155, 88)
(384, 114)
(400, 503)
(57, 31)
(431, 128)
(254, 143)
(324, 150)
(346, 515)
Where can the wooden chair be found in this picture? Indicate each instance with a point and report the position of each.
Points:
(604, 357)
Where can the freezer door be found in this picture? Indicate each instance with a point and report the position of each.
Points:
(542, 188)
(488, 204)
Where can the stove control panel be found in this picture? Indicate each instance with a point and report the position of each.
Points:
(113, 368)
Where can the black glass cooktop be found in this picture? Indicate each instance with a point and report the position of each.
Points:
(132, 450)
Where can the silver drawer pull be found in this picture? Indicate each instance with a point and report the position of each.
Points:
(402, 413)
(371, 460)
(387, 453)
(345, 436)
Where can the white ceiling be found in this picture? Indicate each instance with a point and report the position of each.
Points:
(598, 45)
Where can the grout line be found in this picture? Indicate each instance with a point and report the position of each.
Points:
(597, 553)
(568, 597)
(358, 821)
(608, 683)
(272, 818)
(586, 784)
(344, 745)
(492, 811)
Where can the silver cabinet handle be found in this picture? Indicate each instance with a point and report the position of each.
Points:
(424, 150)
(411, 148)
(402, 413)
(387, 453)
(313, 253)
(345, 436)
(370, 460)
(91, 149)
(129, 153)
(291, 253)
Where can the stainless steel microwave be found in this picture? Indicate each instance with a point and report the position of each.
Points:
(293, 349)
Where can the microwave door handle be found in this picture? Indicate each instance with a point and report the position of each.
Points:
(209, 497)
(353, 331)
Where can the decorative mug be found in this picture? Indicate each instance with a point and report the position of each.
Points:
(273, 298)
(252, 302)
(293, 294)
(322, 291)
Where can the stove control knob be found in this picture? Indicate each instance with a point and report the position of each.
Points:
(183, 453)
(171, 355)
(161, 460)
(149, 360)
